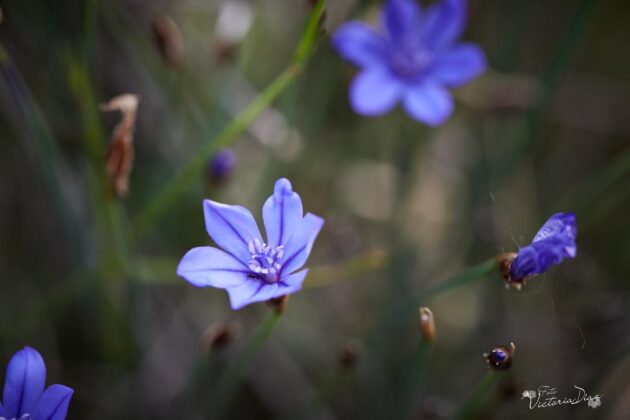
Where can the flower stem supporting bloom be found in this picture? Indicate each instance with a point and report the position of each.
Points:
(196, 165)
(228, 382)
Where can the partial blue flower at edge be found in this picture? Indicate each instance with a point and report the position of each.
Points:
(250, 269)
(413, 59)
(554, 242)
(24, 397)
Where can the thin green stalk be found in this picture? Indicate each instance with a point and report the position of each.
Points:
(476, 401)
(554, 70)
(32, 125)
(415, 378)
(228, 382)
(191, 171)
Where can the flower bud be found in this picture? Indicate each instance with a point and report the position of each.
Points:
(426, 323)
(500, 357)
(221, 166)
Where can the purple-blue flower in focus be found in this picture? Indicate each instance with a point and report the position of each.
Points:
(413, 58)
(554, 242)
(248, 267)
(24, 397)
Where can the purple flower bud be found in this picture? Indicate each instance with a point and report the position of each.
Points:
(221, 166)
(554, 242)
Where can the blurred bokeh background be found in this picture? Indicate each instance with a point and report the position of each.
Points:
(89, 279)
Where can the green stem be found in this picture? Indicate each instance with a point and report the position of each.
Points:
(191, 171)
(479, 396)
(228, 382)
(554, 70)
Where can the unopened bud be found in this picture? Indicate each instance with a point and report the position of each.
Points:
(426, 323)
(279, 304)
(500, 357)
(221, 166)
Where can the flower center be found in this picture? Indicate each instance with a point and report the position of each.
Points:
(410, 59)
(264, 263)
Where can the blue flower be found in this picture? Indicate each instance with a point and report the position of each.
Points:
(414, 59)
(250, 269)
(24, 396)
(554, 242)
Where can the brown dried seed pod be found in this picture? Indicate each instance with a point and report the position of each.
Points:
(219, 335)
(426, 323)
(120, 155)
(168, 39)
(505, 260)
(349, 354)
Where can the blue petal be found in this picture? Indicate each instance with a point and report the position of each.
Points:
(401, 17)
(374, 92)
(459, 65)
(231, 227)
(24, 383)
(300, 244)
(257, 291)
(537, 258)
(554, 242)
(250, 292)
(444, 22)
(207, 266)
(429, 103)
(282, 213)
(360, 44)
(2, 412)
(560, 225)
(53, 405)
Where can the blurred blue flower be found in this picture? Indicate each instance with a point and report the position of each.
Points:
(413, 60)
(250, 269)
(24, 396)
(222, 165)
(554, 242)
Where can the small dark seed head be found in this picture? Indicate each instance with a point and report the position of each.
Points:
(500, 357)
(349, 354)
(219, 335)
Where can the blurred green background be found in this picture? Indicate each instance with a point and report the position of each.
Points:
(89, 280)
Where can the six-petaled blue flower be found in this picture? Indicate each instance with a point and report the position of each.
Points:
(554, 242)
(413, 59)
(24, 397)
(249, 268)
